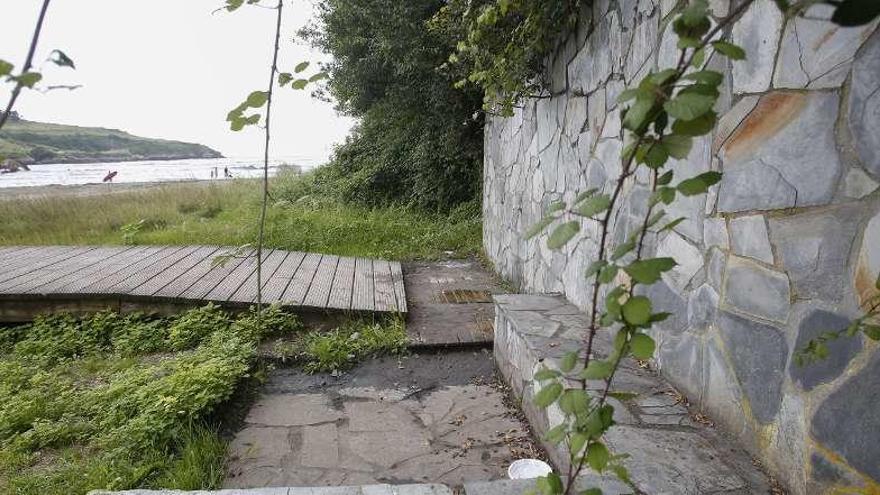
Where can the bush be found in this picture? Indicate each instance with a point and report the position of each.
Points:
(419, 140)
(192, 327)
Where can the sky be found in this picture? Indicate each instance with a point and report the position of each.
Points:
(170, 69)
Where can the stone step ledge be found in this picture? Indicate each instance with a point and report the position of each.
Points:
(383, 489)
(670, 451)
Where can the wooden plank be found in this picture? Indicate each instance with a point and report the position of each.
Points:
(362, 292)
(27, 273)
(186, 279)
(399, 290)
(151, 256)
(147, 272)
(232, 282)
(213, 277)
(75, 264)
(116, 256)
(299, 285)
(247, 293)
(173, 271)
(77, 284)
(383, 285)
(10, 252)
(322, 282)
(343, 280)
(274, 288)
(39, 259)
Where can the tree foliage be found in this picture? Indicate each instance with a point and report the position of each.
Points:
(418, 139)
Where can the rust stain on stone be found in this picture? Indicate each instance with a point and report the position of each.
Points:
(773, 112)
(864, 281)
(824, 38)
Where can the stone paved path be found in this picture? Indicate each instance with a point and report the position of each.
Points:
(450, 302)
(423, 418)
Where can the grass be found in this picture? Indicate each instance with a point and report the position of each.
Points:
(343, 347)
(226, 214)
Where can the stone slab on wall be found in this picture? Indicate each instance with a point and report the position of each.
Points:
(785, 246)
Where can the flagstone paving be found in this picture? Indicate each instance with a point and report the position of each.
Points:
(423, 418)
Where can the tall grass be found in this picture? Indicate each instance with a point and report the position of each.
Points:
(226, 213)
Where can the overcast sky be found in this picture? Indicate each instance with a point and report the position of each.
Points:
(169, 69)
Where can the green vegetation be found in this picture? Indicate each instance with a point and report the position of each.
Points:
(103, 402)
(128, 401)
(53, 143)
(301, 217)
(345, 346)
(419, 141)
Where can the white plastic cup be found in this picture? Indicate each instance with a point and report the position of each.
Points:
(523, 469)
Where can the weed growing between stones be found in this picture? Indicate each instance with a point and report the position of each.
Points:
(105, 402)
(346, 345)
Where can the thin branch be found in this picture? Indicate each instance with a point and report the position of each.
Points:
(265, 198)
(28, 63)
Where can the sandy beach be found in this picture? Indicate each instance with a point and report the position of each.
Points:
(36, 192)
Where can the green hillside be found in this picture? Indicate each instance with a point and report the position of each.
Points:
(38, 142)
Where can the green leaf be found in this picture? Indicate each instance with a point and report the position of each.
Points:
(5, 68)
(284, 78)
(592, 491)
(623, 249)
(671, 225)
(877, 284)
(562, 234)
(695, 13)
(546, 374)
(655, 155)
(688, 106)
(299, 84)
(555, 483)
(677, 146)
(648, 271)
(642, 346)
(301, 67)
(576, 444)
(855, 12)
(665, 179)
(699, 57)
(597, 456)
(608, 273)
(666, 194)
(597, 370)
(585, 195)
(257, 99)
(699, 184)
(623, 396)
(729, 49)
(872, 332)
(539, 227)
(232, 5)
(568, 361)
(663, 76)
(697, 127)
(637, 310)
(556, 434)
(656, 217)
(548, 394)
(318, 76)
(637, 115)
(61, 59)
(556, 206)
(711, 77)
(594, 205)
(595, 267)
(574, 401)
(28, 79)
(627, 94)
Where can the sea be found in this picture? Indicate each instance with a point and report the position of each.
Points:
(149, 171)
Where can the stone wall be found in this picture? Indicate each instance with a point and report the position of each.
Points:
(785, 247)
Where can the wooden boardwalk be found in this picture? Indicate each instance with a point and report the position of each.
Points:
(52, 278)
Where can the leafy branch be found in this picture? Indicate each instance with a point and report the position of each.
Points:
(664, 113)
(27, 78)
